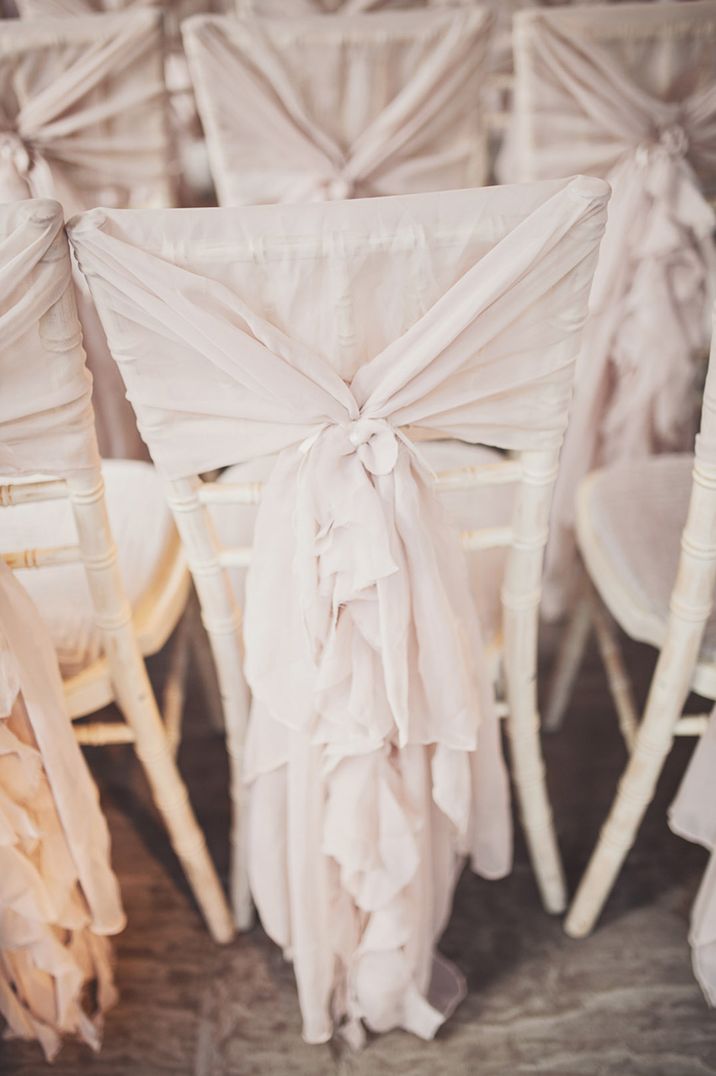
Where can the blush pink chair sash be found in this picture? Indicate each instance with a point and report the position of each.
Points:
(584, 111)
(373, 746)
(58, 894)
(403, 87)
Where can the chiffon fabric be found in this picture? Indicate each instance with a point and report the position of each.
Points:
(58, 895)
(341, 107)
(329, 333)
(82, 120)
(628, 93)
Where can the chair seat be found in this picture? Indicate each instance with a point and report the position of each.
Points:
(629, 523)
(149, 556)
(469, 509)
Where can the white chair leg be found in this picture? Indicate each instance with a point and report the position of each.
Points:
(520, 599)
(567, 663)
(617, 676)
(636, 789)
(174, 693)
(136, 700)
(221, 618)
(205, 667)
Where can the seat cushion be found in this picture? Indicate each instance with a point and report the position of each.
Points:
(469, 509)
(629, 521)
(142, 528)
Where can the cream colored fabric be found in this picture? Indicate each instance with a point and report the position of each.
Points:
(467, 510)
(628, 93)
(82, 119)
(385, 103)
(58, 895)
(625, 506)
(141, 527)
(323, 333)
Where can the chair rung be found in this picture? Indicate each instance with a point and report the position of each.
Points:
(230, 492)
(103, 733)
(240, 557)
(692, 725)
(487, 538)
(13, 493)
(43, 558)
(490, 474)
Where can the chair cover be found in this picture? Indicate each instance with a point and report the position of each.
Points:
(627, 93)
(58, 895)
(386, 103)
(82, 120)
(373, 748)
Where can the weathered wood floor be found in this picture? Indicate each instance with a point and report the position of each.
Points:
(622, 1003)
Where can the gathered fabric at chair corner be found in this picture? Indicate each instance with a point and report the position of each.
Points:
(373, 749)
(580, 109)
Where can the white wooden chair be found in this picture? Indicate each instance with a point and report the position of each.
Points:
(626, 92)
(59, 511)
(258, 260)
(648, 540)
(341, 106)
(83, 119)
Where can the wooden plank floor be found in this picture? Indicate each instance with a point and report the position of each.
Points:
(621, 1003)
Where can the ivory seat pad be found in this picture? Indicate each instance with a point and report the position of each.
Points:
(143, 532)
(487, 506)
(629, 520)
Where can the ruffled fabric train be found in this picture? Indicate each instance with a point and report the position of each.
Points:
(364, 805)
(58, 898)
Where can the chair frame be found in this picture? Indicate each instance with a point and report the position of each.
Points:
(121, 675)
(533, 473)
(678, 671)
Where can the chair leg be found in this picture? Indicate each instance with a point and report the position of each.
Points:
(567, 664)
(222, 621)
(636, 789)
(174, 693)
(139, 708)
(226, 647)
(205, 667)
(617, 676)
(520, 666)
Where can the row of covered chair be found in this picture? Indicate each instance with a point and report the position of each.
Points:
(249, 338)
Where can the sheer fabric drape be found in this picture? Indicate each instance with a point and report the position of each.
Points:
(82, 120)
(373, 750)
(628, 93)
(339, 107)
(58, 895)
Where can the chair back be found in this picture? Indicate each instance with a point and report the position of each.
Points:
(627, 92)
(83, 111)
(339, 107)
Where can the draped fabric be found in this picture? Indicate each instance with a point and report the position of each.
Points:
(373, 749)
(58, 895)
(631, 96)
(386, 103)
(82, 120)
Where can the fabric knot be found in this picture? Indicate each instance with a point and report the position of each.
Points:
(339, 188)
(15, 152)
(375, 443)
(674, 140)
